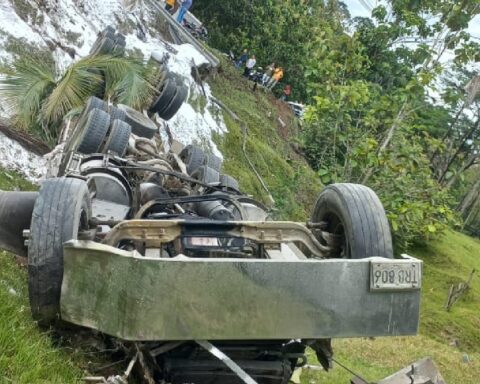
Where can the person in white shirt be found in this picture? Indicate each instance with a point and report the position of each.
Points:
(249, 66)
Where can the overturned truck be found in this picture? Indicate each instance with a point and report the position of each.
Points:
(160, 248)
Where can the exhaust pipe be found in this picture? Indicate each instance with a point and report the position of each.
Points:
(15, 216)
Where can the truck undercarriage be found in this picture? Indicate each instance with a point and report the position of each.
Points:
(159, 248)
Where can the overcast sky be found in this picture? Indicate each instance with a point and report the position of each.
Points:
(363, 8)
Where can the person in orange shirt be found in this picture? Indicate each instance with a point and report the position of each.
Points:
(276, 77)
(169, 4)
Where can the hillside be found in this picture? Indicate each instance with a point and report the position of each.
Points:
(267, 138)
(294, 186)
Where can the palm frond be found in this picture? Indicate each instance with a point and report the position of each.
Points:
(80, 81)
(23, 87)
(135, 89)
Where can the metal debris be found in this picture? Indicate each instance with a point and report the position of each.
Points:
(421, 372)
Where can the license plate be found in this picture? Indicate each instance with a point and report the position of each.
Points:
(203, 241)
(391, 276)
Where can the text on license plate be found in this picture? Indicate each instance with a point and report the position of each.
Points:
(393, 276)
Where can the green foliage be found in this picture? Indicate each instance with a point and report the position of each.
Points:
(447, 260)
(40, 97)
(293, 184)
(25, 87)
(274, 30)
(369, 120)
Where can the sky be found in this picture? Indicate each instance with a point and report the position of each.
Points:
(363, 7)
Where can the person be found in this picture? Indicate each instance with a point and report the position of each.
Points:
(287, 91)
(174, 7)
(183, 10)
(268, 74)
(169, 4)
(249, 66)
(276, 77)
(243, 59)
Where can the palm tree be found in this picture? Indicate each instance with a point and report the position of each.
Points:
(39, 97)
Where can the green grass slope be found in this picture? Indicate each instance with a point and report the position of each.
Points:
(447, 261)
(293, 184)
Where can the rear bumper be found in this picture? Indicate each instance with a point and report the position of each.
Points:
(135, 298)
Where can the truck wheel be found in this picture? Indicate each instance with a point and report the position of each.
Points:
(166, 92)
(175, 104)
(141, 125)
(117, 113)
(229, 182)
(105, 46)
(120, 44)
(94, 131)
(61, 210)
(354, 221)
(94, 102)
(193, 157)
(214, 162)
(206, 175)
(117, 141)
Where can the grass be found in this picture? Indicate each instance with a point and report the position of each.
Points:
(26, 354)
(447, 260)
(293, 184)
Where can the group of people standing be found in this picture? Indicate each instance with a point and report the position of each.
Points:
(172, 7)
(271, 76)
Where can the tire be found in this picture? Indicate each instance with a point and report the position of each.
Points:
(356, 215)
(167, 92)
(109, 30)
(61, 209)
(94, 102)
(105, 46)
(117, 141)
(141, 125)
(117, 113)
(94, 132)
(229, 182)
(193, 157)
(177, 101)
(120, 39)
(118, 50)
(120, 44)
(214, 162)
(206, 175)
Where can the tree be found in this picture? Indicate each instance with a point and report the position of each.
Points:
(39, 98)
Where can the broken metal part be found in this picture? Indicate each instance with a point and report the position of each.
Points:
(244, 376)
(423, 371)
(323, 350)
(165, 348)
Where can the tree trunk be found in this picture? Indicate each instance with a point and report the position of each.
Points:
(386, 141)
(24, 139)
(470, 198)
(449, 131)
(463, 140)
(467, 165)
